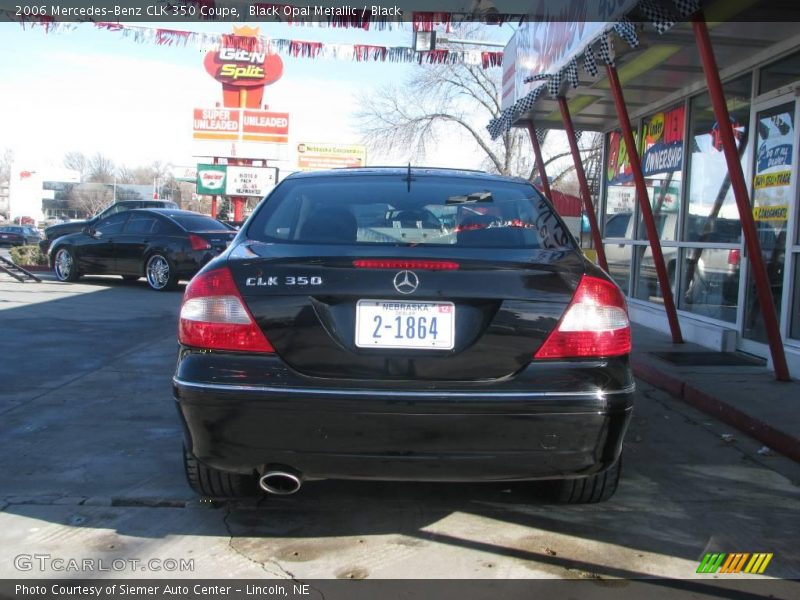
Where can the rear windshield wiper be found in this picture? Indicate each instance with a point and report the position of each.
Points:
(470, 198)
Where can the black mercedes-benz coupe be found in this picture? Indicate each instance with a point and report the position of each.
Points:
(403, 324)
(163, 245)
(56, 231)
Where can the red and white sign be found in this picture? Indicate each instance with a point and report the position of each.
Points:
(237, 124)
(216, 124)
(242, 68)
(265, 126)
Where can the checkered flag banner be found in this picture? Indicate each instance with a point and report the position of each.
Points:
(526, 104)
(590, 62)
(540, 135)
(538, 77)
(662, 18)
(686, 8)
(606, 49)
(572, 73)
(627, 31)
(554, 85)
(578, 134)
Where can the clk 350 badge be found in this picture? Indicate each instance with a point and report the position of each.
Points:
(288, 280)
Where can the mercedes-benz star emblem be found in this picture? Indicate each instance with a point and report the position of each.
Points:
(406, 282)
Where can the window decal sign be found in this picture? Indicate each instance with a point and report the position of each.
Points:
(773, 177)
(663, 142)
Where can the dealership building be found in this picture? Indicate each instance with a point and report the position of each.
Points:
(682, 222)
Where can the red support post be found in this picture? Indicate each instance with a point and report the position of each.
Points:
(644, 204)
(587, 198)
(742, 197)
(213, 207)
(537, 154)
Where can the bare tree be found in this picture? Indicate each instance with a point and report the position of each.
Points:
(436, 102)
(89, 198)
(430, 105)
(77, 161)
(101, 169)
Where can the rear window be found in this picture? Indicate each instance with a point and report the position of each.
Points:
(442, 211)
(199, 223)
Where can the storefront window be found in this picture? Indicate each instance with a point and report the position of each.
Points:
(780, 73)
(772, 196)
(712, 215)
(647, 285)
(662, 162)
(710, 282)
(618, 256)
(794, 330)
(620, 190)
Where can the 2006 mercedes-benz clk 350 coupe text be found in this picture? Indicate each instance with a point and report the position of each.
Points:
(403, 324)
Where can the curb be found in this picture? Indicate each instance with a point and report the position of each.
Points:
(777, 440)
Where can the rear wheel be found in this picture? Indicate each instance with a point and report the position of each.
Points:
(65, 265)
(160, 274)
(210, 482)
(587, 490)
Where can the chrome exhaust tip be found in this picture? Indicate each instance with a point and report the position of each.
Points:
(280, 483)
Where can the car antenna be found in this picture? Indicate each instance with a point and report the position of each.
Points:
(408, 177)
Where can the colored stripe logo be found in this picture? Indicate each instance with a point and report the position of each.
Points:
(737, 562)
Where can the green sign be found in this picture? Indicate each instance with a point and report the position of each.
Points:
(211, 179)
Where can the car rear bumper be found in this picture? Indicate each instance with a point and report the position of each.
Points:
(484, 433)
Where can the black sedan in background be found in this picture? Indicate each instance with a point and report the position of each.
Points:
(163, 245)
(403, 324)
(18, 235)
(56, 231)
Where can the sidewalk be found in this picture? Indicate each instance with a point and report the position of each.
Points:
(746, 397)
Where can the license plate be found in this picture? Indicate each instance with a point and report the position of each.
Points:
(409, 325)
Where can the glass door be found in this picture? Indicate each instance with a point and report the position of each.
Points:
(773, 189)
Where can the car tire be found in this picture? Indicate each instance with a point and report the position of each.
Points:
(587, 490)
(160, 273)
(214, 483)
(65, 266)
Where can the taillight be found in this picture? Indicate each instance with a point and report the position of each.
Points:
(734, 256)
(214, 316)
(198, 243)
(423, 265)
(595, 324)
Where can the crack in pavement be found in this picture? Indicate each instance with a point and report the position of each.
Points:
(284, 572)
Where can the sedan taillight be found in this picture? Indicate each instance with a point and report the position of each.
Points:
(595, 324)
(198, 243)
(214, 316)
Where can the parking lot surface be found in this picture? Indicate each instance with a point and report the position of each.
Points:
(91, 469)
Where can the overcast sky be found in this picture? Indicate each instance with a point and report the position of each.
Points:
(93, 90)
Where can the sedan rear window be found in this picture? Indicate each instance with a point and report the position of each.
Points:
(199, 223)
(390, 210)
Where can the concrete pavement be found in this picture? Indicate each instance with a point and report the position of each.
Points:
(746, 397)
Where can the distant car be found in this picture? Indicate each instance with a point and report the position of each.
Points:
(18, 235)
(163, 245)
(403, 324)
(56, 231)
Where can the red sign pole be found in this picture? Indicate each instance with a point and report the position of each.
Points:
(644, 204)
(742, 197)
(587, 198)
(537, 154)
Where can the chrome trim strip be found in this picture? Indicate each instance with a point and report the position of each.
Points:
(598, 395)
